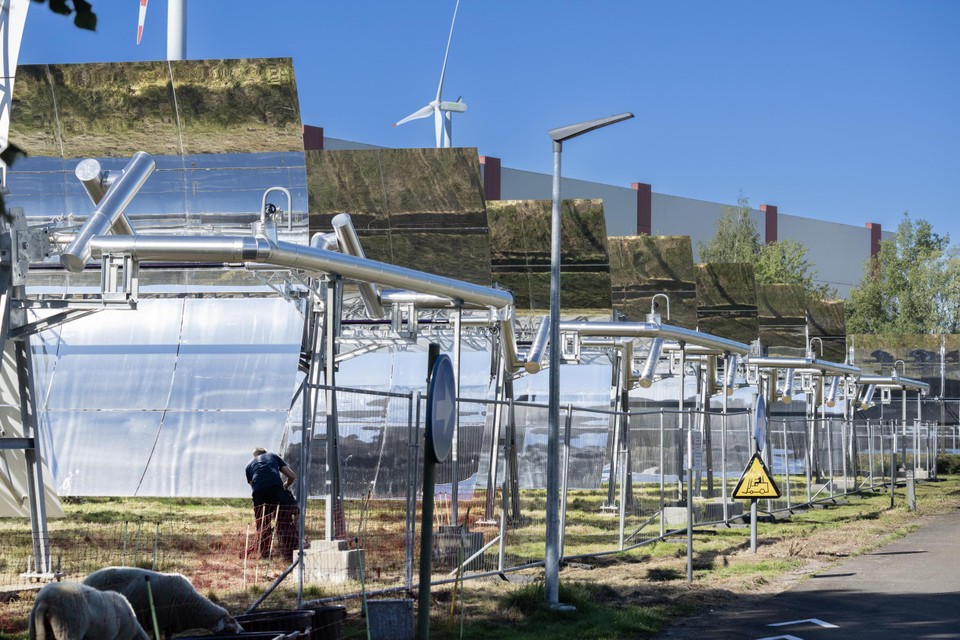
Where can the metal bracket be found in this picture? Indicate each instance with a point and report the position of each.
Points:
(404, 320)
(27, 244)
(885, 395)
(570, 346)
(119, 279)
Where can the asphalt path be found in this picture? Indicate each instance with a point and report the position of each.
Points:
(908, 589)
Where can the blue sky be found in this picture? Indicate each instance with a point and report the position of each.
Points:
(845, 111)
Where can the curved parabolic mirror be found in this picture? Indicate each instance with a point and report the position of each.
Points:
(205, 368)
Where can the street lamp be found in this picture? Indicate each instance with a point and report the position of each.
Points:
(551, 589)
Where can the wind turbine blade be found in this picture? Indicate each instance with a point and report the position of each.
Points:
(446, 53)
(141, 19)
(438, 125)
(447, 129)
(416, 115)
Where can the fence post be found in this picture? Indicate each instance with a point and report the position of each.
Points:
(786, 465)
(568, 423)
(663, 487)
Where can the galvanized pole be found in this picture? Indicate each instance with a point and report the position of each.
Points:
(723, 437)
(551, 587)
(683, 366)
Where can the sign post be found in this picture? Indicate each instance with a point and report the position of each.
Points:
(441, 421)
(757, 481)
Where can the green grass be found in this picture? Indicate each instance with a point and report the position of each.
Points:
(524, 616)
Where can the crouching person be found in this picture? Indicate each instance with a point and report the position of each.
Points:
(178, 605)
(270, 479)
(72, 611)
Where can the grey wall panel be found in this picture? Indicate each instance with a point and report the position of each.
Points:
(838, 251)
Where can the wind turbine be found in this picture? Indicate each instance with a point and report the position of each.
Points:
(176, 28)
(442, 110)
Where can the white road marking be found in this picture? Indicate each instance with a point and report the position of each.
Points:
(816, 621)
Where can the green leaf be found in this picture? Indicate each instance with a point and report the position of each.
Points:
(11, 153)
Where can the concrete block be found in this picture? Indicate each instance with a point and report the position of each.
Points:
(326, 562)
(677, 516)
(446, 547)
(390, 619)
(713, 511)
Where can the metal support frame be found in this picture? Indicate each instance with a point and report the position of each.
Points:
(35, 487)
(332, 292)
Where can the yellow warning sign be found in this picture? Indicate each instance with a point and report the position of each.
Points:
(756, 481)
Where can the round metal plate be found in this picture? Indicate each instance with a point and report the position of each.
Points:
(441, 409)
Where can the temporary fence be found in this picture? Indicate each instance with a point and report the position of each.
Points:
(624, 483)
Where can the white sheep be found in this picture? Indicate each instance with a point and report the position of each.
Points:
(178, 605)
(72, 611)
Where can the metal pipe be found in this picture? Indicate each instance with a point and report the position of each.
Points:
(110, 208)
(349, 243)
(534, 360)
(654, 330)
(787, 396)
(831, 395)
(896, 382)
(650, 365)
(730, 374)
(823, 366)
(314, 259)
(94, 182)
(420, 300)
(868, 397)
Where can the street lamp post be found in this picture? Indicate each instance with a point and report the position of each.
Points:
(551, 590)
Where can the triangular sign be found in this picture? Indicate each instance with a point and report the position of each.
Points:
(756, 481)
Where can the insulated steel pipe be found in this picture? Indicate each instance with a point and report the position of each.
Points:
(654, 330)
(534, 360)
(831, 399)
(421, 300)
(803, 364)
(896, 382)
(110, 208)
(350, 245)
(91, 177)
(730, 376)
(314, 259)
(787, 396)
(650, 365)
(867, 397)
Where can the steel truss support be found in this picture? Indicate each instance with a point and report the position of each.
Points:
(35, 487)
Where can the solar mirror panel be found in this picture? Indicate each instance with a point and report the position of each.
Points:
(782, 314)
(727, 301)
(826, 320)
(520, 254)
(643, 266)
(416, 208)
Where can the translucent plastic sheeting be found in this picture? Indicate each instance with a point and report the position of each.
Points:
(14, 488)
(583, 386)
(374, 427)
(179, 392)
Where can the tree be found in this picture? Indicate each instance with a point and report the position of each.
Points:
(84, 17)
(736, 238)
(911, 286)
(781, 262)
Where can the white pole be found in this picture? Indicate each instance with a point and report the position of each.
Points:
(176, 29)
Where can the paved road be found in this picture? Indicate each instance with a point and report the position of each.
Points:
(909, 589)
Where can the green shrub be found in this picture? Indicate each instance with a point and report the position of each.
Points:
(948, 464)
